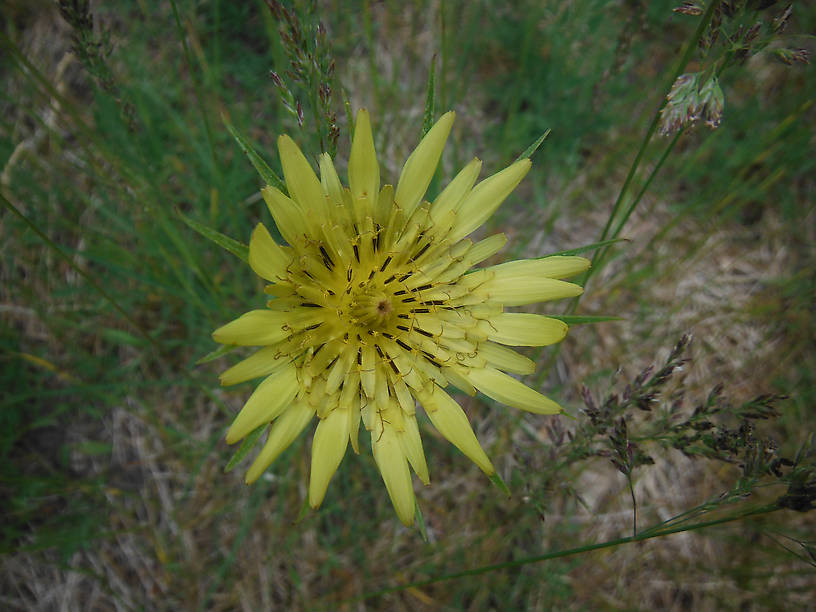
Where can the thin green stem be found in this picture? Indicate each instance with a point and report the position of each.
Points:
(600, 254)
(443, 31)
(644, 535)
(197, 90)
(691, 46)
(634, 504)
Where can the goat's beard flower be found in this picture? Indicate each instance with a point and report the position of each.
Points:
(376, 307)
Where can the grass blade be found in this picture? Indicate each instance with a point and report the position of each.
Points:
(580, 319)
(267, 174)
(239, 249)
(430, 99)
(213, 355)
(528, 152)
(247, 445)
(589, 247)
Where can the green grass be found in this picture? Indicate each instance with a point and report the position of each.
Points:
(111, 437)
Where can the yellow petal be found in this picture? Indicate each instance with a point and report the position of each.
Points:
(555, 266)
(506, 359)
(363, 169)
(301, 180)
(283, 432)
(328, 448)
(385, 212)
(266, 257)
(339, 371)
(450, 420)
(289, 218)
(354, 426)
(486, 197)
(393, 467)
(266, 403)
(420, 166)
(404, 398)
(507, 390)
(368, 370)
(456, 191)
(329, 180)
(485, 248)
(255, 328)
(512, 289)
(458, 381)
(524, 329)
(411, 444)
(261, 363)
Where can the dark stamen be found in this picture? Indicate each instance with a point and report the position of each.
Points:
(327, 261)
(430, 358)
(405, 346)
(421, 251)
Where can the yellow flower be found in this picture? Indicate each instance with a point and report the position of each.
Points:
(375, 307)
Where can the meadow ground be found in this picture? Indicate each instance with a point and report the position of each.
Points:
(112, 447)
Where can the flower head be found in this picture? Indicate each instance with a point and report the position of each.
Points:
(375, 307)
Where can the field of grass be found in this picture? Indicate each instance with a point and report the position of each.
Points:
(114, 145)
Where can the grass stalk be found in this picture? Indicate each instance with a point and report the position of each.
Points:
(690, 48)
(655, 532)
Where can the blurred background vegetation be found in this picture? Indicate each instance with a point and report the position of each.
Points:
(111, 437)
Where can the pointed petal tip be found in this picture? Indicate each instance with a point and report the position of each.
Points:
(259, 230)
(364, 115)
(447, 118)
(406, 520)
(250, 477)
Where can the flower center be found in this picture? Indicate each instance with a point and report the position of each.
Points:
(371, 308)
